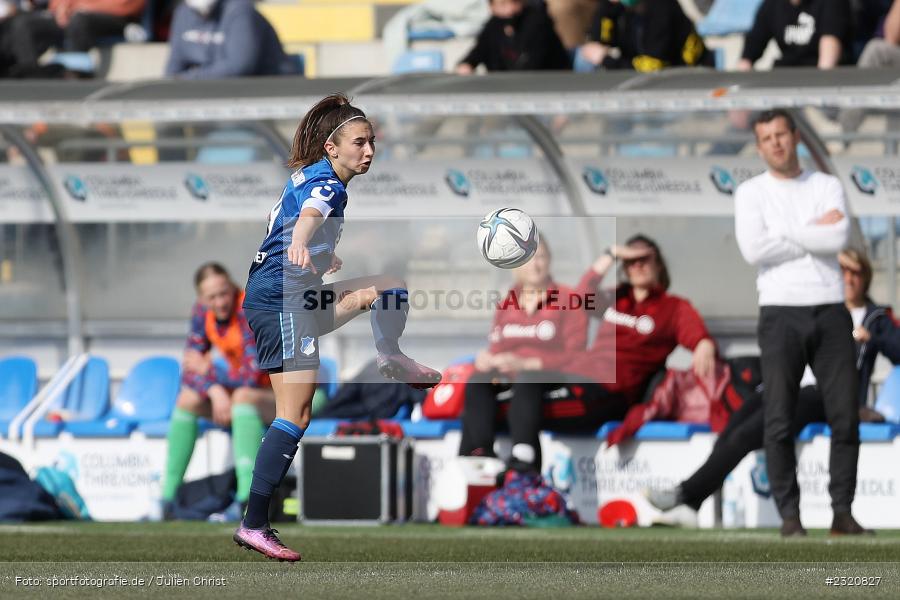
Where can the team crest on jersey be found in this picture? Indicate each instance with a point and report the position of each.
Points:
(298, 177)
(307, 345)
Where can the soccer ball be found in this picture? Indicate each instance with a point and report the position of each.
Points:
(507, 238)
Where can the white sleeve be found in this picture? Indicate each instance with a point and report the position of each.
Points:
(321, 197)
(825, 239)
(317, 204)
(757, 244)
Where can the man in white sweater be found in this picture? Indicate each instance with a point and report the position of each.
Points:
(791, 223)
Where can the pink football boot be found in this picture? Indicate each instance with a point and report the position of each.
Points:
(265, 542)
(404, 369)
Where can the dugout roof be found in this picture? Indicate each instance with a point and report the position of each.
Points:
(439, 94)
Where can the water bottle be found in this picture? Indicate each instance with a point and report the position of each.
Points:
(154, 510)
(729, 504)
(562, 473)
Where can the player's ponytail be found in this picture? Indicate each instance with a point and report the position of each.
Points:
(322, 121)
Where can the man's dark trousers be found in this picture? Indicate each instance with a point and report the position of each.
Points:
(790, 337)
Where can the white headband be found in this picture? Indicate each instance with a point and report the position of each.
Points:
(342, 124)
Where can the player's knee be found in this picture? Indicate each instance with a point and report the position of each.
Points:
(189, 400)
(395, 283)
(358, 300)
(245, 395)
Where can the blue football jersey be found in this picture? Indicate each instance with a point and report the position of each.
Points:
(275, 284)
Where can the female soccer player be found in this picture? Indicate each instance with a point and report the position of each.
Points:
(288, 307)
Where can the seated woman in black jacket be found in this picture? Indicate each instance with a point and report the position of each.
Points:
(644, 35)
(519, 36)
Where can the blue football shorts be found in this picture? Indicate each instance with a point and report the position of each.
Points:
(289, 341)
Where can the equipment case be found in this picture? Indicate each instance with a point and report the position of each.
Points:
(359, 479)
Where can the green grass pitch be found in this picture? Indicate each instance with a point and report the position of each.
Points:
(199, 560)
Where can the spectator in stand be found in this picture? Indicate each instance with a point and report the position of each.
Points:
(879, 53)
(868, 19)
(531, 342)
(571, 18)
(215, 39)
(9, 61)
(519, 36)
(791, 223)
(644, 35)
(233, 393)
(809, 33)
(70, 25)
(884, 51)
(874, 330)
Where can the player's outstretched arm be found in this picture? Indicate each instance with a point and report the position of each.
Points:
(298, 253)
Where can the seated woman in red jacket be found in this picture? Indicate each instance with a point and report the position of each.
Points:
(641, 325)
(531, 342)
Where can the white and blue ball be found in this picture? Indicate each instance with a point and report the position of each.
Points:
(507, 238)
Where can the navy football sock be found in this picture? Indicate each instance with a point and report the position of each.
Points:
(389, 319)
(272, 463)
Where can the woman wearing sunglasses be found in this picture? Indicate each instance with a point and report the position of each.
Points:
(641, 323)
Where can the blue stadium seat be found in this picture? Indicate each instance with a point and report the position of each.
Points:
(668, 430)
(658, 430)
(156, 429)
(868, 432)
(329, 375)
(606, 428)
(18, 385)
(729, 16)
(429, 429)
(85, 398)
(812, 430)
(241, 152)
(321, 427)
(878, 432)
(79, 62)
(419, 61)
(888, 401)
(433, 34)
(299, 61)
(147, 396)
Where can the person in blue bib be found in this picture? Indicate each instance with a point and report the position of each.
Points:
(288, 307)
